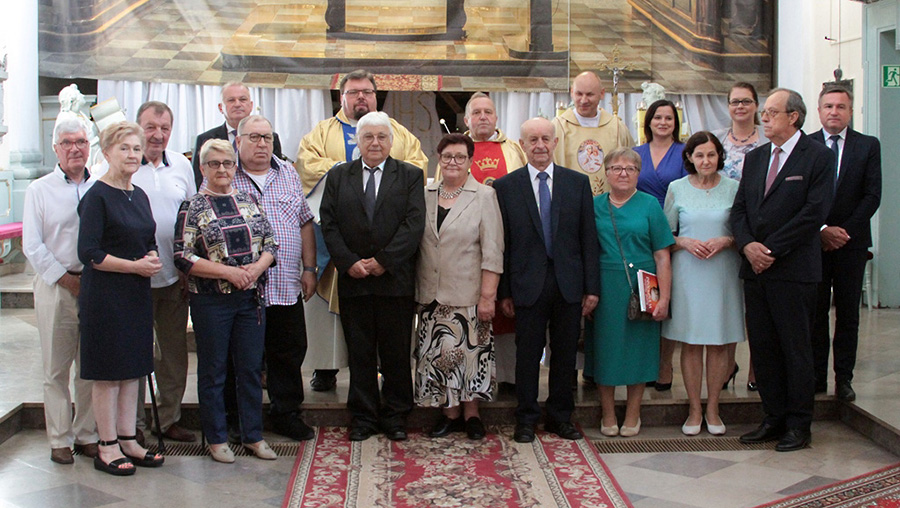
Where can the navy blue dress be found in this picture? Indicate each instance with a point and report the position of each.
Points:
(115, 309)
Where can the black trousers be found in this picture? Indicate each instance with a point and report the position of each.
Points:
(779, 314)
(564, 320)
(379, 328)
(285, 351)
(843, 270)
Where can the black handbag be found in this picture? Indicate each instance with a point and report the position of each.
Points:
(634, 311)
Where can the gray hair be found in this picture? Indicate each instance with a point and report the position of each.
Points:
(251, 119)
(374, 119)
(229, 85)
(68, 126)
(157, 107)
(794, 104)
(623, 152)
(477, 95)
(216, 145)
(836, 88)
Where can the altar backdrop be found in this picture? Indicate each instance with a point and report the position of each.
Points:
(688, 46)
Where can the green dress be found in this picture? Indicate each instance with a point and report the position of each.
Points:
(625, 352)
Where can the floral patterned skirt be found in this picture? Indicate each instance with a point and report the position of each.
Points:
(454, 356)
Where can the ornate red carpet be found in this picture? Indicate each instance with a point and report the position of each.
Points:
(878, 489)
(450, 472)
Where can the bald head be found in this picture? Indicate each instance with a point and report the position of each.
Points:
(538, 139)
(587, 92)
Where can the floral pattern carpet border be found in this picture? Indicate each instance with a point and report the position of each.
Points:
(450, 472)
(878, 489)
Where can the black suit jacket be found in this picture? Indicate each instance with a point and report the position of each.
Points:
(575, 244)
(788, 219)
(858, 192)
(221, 132)
(392, 239)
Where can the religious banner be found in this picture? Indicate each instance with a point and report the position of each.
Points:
(688, 46)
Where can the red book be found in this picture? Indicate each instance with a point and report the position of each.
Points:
(648, 289)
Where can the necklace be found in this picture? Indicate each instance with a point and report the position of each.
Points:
(709, 189)
(127, 195)
(741, 141)
(449, 195)
(620, 203)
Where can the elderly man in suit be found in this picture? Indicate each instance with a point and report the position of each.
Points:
(782, 202)
(373, 217)
(235, 106)
(550, 275)
(846, 237)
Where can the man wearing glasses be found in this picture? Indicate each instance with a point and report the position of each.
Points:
(782, 202)
(235, 106)
(332, 142)
(276, 187)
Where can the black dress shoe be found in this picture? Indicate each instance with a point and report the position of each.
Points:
(524, 433)
(475, 429)
(794, 439)
(763, 434)
(564, 430)
(323, 381)
(396, 434)
(662, 387)
(445, 426)
(844, 391)
(362, 433)
(752, 386)
(294, 427)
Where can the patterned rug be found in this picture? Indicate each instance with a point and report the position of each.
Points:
(878, 489)
(450, 472)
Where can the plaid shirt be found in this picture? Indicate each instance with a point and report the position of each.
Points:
(284, 205)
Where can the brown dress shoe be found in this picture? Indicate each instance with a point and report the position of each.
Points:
(178, 433)
(88, 450)
(61, 455)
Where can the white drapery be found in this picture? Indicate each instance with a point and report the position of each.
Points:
(294, 112)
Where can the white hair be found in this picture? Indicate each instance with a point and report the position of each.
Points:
(374, 119)
(68, 125)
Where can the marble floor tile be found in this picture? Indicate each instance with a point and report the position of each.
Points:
(684, 464)
(72, 494)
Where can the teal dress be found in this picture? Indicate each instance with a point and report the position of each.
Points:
(625, 352)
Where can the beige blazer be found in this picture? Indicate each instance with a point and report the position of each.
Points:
(471, 240)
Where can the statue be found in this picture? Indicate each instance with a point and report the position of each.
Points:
(652, 93)
(71, 104)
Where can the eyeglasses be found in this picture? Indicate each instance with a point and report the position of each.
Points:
(630, 170)
(215, 164)
(741, 102)
(67, 144)
(368, 92)
(459, 159)
(254, 137)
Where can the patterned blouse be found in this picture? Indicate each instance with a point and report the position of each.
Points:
(231, 230)
(734, 154)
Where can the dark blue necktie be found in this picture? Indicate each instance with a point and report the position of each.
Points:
(837, 157)
(369, 202)
(544, 195)
(233, 132)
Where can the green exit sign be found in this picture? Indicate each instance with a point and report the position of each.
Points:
(890, 76)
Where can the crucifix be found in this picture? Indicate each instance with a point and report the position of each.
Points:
(616, 69)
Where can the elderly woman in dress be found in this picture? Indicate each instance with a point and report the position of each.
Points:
(744, 134)
(634, 235)
(224, 244)
(459, 266)
(707, 301)
(117, 245)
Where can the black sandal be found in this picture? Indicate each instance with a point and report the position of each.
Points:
(113, 467)
(148, 460)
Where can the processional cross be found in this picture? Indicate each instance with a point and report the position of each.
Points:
(616, 68)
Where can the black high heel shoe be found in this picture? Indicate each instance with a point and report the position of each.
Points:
(732, 378)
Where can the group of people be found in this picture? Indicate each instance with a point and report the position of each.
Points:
(512, 250)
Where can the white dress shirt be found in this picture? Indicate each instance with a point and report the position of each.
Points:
(535, 182)
(50, 224)
(378, 175)
(841, 143)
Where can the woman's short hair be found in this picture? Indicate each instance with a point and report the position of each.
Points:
(374, 119)
(216, 145)
(752, 89)
(118, 131)
(651, 111)
(696, 140)
(622, 153)
(456, 139)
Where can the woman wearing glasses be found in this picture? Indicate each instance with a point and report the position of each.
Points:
(744, 134)
(634, 235)
(224, 244)
(459, 266)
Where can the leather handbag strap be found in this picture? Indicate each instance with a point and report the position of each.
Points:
(625, 264)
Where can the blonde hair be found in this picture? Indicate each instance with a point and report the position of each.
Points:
(117, 132)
